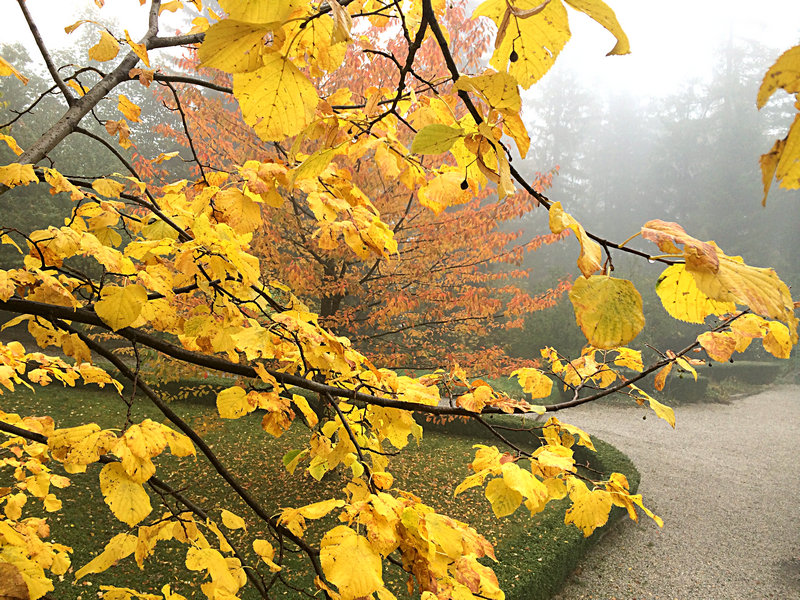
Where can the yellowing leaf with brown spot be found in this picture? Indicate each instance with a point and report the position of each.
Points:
(683, 300)
(661, 377)
(120, 546)
(534, 382)
(17, 174)
(350, 563)
(667, 235)
(7, 69)
(504, 499)
(499, 90)
(234, 46)
(444, 190)
(608, 310)
(536, 40)
(105, 49)
(589, 509)
(435, 139)
(662, 410)
(126, 498)
(591, 257)
(237, 210)
(277, 100)
(784, 73)
(119, 307)
(128, 109)
(602, 13)
(759, 289)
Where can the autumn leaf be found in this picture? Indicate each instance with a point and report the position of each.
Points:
(608, 310)
(504, 499)
(783, 74)
(600, 12)
(105, 49)
(589, 509)
(526, 47)
(435, 139)
(233, 403)
(591, 257)
(277, 100)
(534, 382)
(126, 498)
(139, 50)
(350, 563)
(120, 546)
(129, 110)
(498, 90)
(119, 307)
(234, 46)
(16, 174)
(683, 300)
(7, 69)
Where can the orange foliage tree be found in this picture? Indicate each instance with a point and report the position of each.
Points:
(455, 276)
(185, 268)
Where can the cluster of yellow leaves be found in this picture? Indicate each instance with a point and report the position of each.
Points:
(552, 475)
(782, 162)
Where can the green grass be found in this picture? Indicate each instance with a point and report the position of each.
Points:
(535, 553)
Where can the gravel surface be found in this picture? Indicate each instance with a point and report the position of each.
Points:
(726, 483)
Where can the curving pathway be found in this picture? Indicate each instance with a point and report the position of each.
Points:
(726, 482)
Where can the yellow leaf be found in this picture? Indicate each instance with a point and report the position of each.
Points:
(127, 499)
(276, 423)
(589, 509)
(526, 47)
(214, 563)
(139, 50)
(608, 310)
(662, 410)
(277, 100)
(784, 73)
(105, 49)
(17, 174)
(234, 46)
(128, 109)
(683, 300)
(266, 553)
(661, 377)
(499, 90)
(443, 190)
(504, 499)
(232, 521)
(120, 306)
(302, 404)
(513, 126)
(320, 509)
(258, 11)
(769, 163)
(350, 563)
(435, 139)
(237, 210)
(591, 257)
(534, 382)
(12, 143)
(108, 187)
(778, 341)
(787, 171)
(120, 546)
(233, 403)
(629, 358)
(759, 289)
(7, 69)
(600, 12)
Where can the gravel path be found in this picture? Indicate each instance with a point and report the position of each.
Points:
(726, 483)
